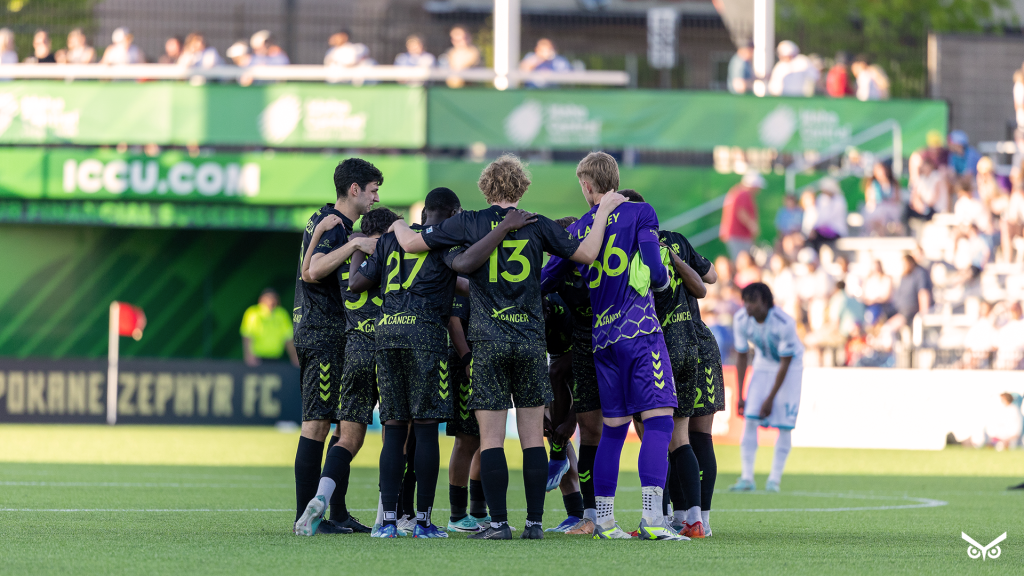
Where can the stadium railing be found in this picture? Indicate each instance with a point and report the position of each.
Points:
(304, 73)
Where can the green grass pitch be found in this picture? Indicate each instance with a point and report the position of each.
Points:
(220, 501)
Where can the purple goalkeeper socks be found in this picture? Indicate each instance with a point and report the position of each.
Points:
(653, 463)
(606, 462)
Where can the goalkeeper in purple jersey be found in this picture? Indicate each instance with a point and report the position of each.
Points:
(634, 374)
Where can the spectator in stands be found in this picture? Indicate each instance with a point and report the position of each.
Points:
(1018, 97)
(461, 56)
(7, 53)
(544, 58)
(912, 296)
(970, 256)
(740, 225)
(831, 212)
(1010, 347)
(265, 52)
(1003, 425)
(740, 78)
(789, 218)
(197, 54)
(415, 55)
(172, 51)
(843, 317)
(41, 53)
(837, 82)
(78, 50)
(123, 50)
(872, 82)
(747, 272)
(969, 210)
(813, 287)
(239, 54)
(990, 188)
(963, 158)
(344, 53)
(882, 205)
(781, 280)
(267, 331)
(1012, 225)
(877, 295)
(809, 206)
(793, 74)
(981, 339)
(930, 193)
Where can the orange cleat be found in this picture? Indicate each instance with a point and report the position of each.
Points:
(584, 526)
(695, 530)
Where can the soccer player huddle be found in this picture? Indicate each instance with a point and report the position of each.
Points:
(459, 319)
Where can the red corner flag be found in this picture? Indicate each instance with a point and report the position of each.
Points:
(131, 320)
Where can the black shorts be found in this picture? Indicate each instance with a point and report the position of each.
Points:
(509, 374)
(685, 360)
(710, 383)
(414, 385)
(320, 373)
(464, 421)
(585, 397)
(358, 394)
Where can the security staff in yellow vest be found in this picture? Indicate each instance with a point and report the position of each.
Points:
(267, 331)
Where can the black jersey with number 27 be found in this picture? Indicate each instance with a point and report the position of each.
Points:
(504, 295)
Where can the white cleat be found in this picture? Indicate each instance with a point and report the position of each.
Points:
(311, 517)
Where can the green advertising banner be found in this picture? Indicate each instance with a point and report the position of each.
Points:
(176, 113)
(256, 178)
(582, 119)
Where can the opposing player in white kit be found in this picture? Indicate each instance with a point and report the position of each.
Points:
(773, 398)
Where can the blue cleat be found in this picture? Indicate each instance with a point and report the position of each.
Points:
(566, 525)
(742, 485)
(467, 524)
(428, 531)
(556, 469)
(385, 531)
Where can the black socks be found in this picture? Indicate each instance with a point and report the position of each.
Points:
(428, 462)
(337, 467)
(392, 465)
(585, 465)
(494, 475)
(406, 505)
(704, 450)
(573, 504)
(477, 502)
(558, 451)
(535, 480)
(307, 472)
(458, 496)
(667, 497)
(685, 466)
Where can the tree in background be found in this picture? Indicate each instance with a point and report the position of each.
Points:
(893, 33)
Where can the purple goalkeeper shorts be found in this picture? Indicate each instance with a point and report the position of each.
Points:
(634, 375)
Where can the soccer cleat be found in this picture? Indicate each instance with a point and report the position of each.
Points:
(484, 522)
(406, 523)
(658, 531)
(771, 486)
(500, 532)
(329, 527)
(533, 532)
(566, 524)
(695, 530)
(386, 531)
(670, 521)
(1017, 487)
(613, 533)
(355, 525)
(311, 517)
(556, 469)
(428, 531)
(584, 526)
(742, 485)
(467, 524)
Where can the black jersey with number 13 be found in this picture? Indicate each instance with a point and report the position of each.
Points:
(504, 294)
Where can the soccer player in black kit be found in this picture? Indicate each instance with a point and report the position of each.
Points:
(319, 318)
(509, 362)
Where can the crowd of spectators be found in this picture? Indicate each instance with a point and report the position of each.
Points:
(262, 50)
(796, 74)
(853, 310)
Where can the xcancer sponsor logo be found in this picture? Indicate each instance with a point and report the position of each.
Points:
(676, 316)
(399, 318)
(366, 326)
(604, 319)
(142, 177)
(505, 316)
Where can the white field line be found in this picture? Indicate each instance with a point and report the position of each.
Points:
(141, 485)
